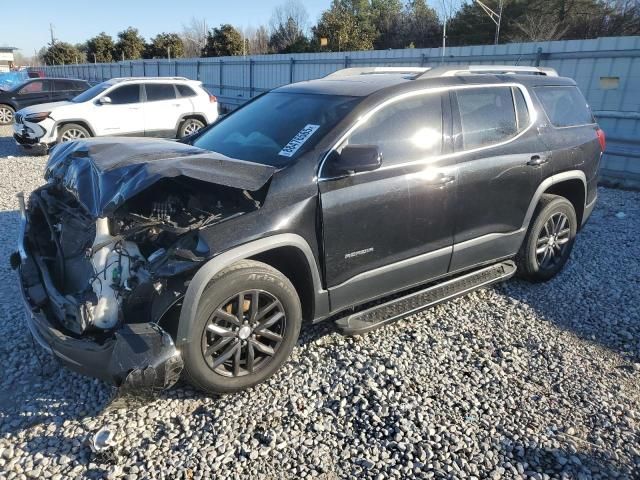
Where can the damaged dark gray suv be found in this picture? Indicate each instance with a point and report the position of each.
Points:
(371, 192)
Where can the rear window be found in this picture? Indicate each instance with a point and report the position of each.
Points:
(565, 106)
(160, 91)
(185, 91)
(487, 115)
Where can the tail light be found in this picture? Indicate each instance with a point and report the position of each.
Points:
(601, 138)
(213, 99)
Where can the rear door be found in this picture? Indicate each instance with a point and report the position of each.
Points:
(393, 227)
(499, 157)
(33, 93)
(63, 90)
(122, 116)
(162, 109)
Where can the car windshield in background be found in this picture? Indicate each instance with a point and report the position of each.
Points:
(277, 127)
(91, 93)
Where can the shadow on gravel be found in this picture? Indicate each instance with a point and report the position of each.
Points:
(560, 463)
(9, 148)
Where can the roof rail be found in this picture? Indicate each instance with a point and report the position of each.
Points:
(350, 72)
(488, 69)
(123, 79)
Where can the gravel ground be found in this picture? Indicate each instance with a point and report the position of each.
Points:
(516, 381)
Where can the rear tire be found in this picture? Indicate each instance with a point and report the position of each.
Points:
(247, 323)
(189, 127)
(549, 240)
(71, 132)
(7, 114)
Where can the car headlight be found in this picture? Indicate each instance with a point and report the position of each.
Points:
(37, 117)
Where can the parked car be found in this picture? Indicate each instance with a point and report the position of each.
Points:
(151, 107)
(372, 192)
(36, 91)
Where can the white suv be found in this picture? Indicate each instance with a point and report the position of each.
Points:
(151, 107)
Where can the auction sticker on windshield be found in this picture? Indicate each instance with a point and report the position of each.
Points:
(296, 142)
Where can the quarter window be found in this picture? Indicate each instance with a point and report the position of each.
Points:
(487, 115)
(185, 91)
(406, 130)
(125, 94)
(160, 91)
(565, 106)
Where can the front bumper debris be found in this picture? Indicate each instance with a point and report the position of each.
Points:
(140, 359)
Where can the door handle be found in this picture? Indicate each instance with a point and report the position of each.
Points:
(537, 160)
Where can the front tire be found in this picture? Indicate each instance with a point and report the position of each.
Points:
(247, 323)
(7, 114)
(189, 127)
(549, 241)
(71, 132)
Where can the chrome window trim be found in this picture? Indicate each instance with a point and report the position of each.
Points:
(533, 116)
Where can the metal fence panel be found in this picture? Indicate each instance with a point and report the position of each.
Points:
(607, 71)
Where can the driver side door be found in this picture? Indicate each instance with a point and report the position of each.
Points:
(388, 229)
(123, 115)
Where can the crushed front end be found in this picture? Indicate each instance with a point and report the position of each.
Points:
(103, 276)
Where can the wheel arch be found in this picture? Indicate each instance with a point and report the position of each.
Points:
(571, 184)
(186, 116)
(276, 251)
(82, 123)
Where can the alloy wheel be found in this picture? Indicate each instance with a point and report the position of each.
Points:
(553, 240)
(6, 115)
(190, 128)
(72, 134)
(244, 333)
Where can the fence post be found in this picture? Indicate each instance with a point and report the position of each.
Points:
(538, 56)
(221, 78)
(423, 60)
(144, 69)
(251, 62)
(346, 61)
(198, 70)
(291, 64)
(175, 68)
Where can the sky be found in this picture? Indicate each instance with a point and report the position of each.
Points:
(74, 21)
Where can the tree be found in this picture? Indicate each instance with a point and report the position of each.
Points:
(100, 48)
(422, 28)
(346, 25)
(258, 40)
(388, 21)
(61, 53)
(130, 45)
(223, 41)
(288, 38)
(194, 37)
(288, 26)
(164, 45)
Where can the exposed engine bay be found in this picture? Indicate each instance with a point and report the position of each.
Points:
(132, 264)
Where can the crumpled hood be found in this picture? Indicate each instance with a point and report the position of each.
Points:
(103, 173)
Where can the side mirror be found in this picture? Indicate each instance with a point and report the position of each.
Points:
(104, 101)
(354, 159)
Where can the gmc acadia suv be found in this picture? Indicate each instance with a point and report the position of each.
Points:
(371, 192)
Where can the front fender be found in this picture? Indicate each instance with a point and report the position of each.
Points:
(204, 275)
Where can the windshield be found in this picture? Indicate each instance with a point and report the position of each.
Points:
(92, 93)
(276, 127)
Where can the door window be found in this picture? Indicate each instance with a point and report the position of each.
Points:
(125, 94)
(487, 116)
(405, 130)
(37, 86)
(185, 91)
(63, 85)
(160, 91)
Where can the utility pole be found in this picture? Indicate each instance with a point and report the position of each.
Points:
(444, 36)
(53, 40)
(168, 53)
(94, 59)
(495, 17)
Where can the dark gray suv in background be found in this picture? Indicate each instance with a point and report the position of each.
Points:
(375, 192)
